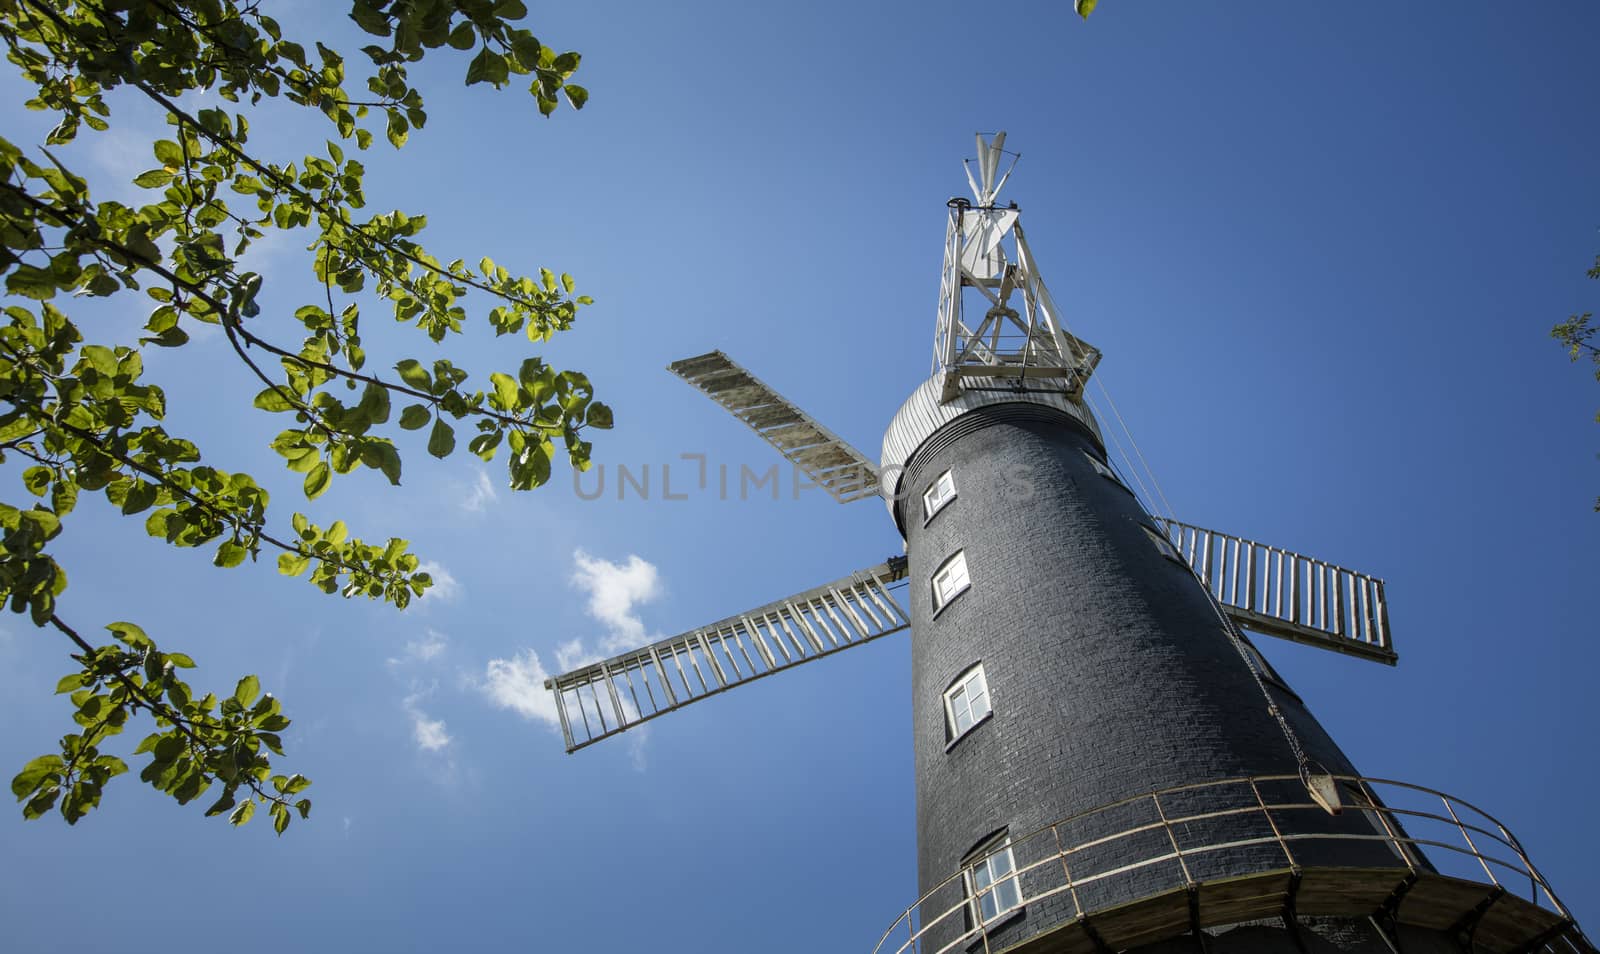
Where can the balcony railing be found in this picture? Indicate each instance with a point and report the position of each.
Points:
(1103, 862)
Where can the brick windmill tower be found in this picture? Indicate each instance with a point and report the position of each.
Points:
(1104, 762)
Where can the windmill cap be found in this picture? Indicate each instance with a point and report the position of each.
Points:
(923, 415)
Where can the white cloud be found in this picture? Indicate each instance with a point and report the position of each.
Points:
(480, 495)
(636, 740)
(518, 684)
(445, 588)
(572, 654)
(429, 647)
(429, 734)
(613, 590)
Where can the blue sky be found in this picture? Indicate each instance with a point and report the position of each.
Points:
(1320, 252)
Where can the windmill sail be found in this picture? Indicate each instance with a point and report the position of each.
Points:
(820, 454)
(608, 697)
(1281, 593)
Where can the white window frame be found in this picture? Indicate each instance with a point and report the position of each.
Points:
(994, 863)
(949, 571)
(933, 500)
(963, 687)
(1165, 546)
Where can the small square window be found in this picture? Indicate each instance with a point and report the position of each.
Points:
(1163, 544)
(1101, 468)
(966, 702)
(991, 881)
(950, 580)
(939, 493)
(1261, 664)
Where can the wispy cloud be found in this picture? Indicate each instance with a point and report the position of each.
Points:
(428, 733)
(480, 495)
(426, 649)
(445, 589)
(518, 684)
(614, 591)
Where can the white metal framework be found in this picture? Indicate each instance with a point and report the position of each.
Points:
(991, 881)
(600, 700)
(939, 493)
(987, 254)
(823, 456)
(950, 580)
(1282, 593)
(966, 702)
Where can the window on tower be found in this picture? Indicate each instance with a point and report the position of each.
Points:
(939, 493)
(966, 703)
(1104, 470)
(991, 880)
(1162, 543)
(950, 580)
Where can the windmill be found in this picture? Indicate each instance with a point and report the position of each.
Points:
(1104, 762)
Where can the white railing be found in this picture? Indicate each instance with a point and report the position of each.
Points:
(1403, 819)
(1282, 593)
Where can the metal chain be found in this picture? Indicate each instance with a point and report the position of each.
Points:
(1302, 762)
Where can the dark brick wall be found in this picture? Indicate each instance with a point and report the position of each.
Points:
(1109, 672)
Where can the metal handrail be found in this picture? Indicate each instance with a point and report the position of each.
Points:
(1464, 818)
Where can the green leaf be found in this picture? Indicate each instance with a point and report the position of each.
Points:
(415, 416)
(222, 804)
(442, 440)
(413, 373)
(481, 69)
(31, 282)
(510, 10)
(389, 462)
(292, 564)
(245, 693)
(599, 416)
(154, 179)
(463, 37)
(35, 772)
(505, 391)
(63, 497)
(37, 480)
(375, 402)
(274, 399)
(102, 359)
(317, 480)
(280, 818)
(1084, 7)
(131, 635)
(41, 803)
(484, 444)
(168, 153)
(70, 682)
(230, 554)
(140, 497)
(396, 129)
(243, 813)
